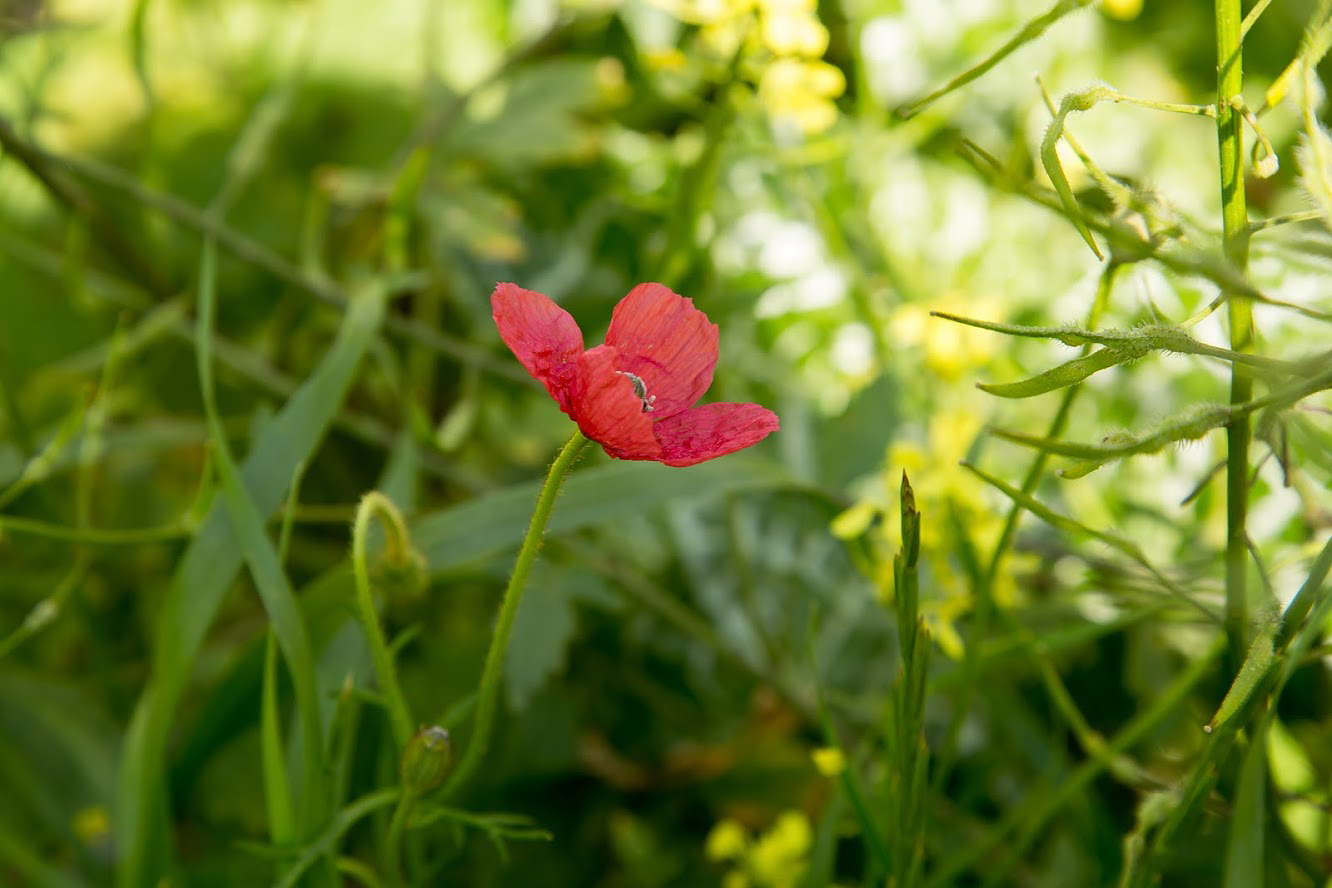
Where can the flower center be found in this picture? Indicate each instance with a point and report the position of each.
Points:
(640, 389)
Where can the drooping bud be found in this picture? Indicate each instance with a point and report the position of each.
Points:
(426, 760)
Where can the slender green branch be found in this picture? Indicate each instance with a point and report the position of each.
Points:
(1285, 219)
(109, 231)
(1029, 32)
(393, 844)
(488, 692)
(96, 536)
(1252, 18)
(63, 169)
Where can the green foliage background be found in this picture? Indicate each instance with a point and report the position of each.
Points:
(719, 675)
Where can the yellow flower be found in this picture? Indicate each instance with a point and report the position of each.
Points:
(951, 349)
(790, 27)
(704, 12)
(1125, 10)
(92, 825)
(801, 93)
(726, 841)
(829, 760)
(778, 858)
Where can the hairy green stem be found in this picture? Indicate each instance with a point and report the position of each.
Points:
(372, 504)
(488, 692)
(1235, 234)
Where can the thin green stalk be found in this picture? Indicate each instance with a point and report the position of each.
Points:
(1235, 235)
(277, 790)
(372, 504)
(488, 691)
(393, 846)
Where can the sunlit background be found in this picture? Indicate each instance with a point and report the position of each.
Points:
(702, 655)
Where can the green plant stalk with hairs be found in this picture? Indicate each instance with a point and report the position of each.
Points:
(488, 691)
(398, 549)
(1235, 245)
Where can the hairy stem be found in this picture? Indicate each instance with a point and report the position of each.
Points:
(488, 692)
(372, 504)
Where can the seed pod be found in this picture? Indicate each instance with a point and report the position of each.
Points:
(426, 761)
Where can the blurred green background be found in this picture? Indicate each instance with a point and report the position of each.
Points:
(702, 652)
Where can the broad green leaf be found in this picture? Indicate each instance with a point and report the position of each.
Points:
(542, 629)
(472, 530)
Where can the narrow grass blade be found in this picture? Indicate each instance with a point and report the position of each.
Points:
(203, 576)
(1063, 522)
(1244, 846)
(1015, 834)
(277, 785)
(327, 841)
(261, 556)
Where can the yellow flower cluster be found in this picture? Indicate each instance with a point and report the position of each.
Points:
(776, 859)
(795, 86)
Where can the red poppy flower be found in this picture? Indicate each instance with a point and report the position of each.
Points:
(633, 395)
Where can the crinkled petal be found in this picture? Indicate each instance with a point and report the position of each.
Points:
(607, 409)
(703, 433)
(667, 343)
(544, 337)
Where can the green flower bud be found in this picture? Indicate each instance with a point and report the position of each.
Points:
(426, 760)
(400, 574)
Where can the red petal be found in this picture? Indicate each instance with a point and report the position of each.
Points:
(703, 433)
(543, 336)
(607, 409)
(666, 342)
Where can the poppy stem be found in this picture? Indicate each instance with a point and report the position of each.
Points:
(488, 692)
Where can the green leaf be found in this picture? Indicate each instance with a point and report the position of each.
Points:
(204, 574)
(1252, 675)
(478, 528)
(544, 627)
(1244, 850)
(262, 558)
(542, 630)
(1064, 375)
(277, 786)
(1055, 170)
